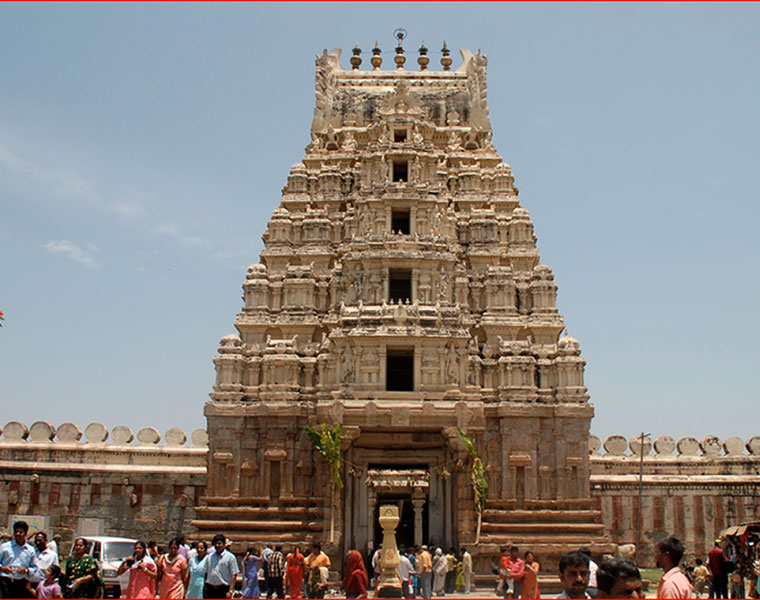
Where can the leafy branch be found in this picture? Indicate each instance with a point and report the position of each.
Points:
(327, 441)
(477, 478)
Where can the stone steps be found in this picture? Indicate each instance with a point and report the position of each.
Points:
(258, 512)
(542, 528)
(279, 525)
(565, 504)
(546, 541)
(541, 516)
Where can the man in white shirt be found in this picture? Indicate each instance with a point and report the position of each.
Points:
(591, 590)
(221, 571)
(403, 571)
(44, 556)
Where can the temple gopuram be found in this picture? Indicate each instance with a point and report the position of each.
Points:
(400, 295)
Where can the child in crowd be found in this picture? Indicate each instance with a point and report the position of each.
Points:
(49, 588)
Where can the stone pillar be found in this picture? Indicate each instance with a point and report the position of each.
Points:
(388, 585)
(419, 505)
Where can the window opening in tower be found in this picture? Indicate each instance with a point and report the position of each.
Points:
(399, 371)
(400, 285)
(400, 170)
(400, 222)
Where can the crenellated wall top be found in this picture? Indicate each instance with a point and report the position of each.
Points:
(42, 432)
(617, 446)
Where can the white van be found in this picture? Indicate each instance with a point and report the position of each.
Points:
(109, 552)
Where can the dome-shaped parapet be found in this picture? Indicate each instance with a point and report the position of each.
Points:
(615, 445)
(543, 272)
(520, 214)
(687, 446)
(710, 445)
(230, 344)
(68, 433)
(148, 436)
(175, 437)
(594, 443)
(733, 446)
(753, 445)
(41, 431)
(568, 346)
(636, 446)
(16, 432)
(664, 445)
(96, 433)
(121, 435)
(256, 271)
(199, 437)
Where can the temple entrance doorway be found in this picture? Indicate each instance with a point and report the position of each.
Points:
(406, 525)
(405, 469)
(406, 488)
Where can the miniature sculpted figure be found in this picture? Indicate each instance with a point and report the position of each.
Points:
(451, 365)
(348, 364)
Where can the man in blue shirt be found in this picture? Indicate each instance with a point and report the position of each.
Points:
(17, 563)
(221, 571)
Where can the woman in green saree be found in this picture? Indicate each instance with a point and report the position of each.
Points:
(80, 573)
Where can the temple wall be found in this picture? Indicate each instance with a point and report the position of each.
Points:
(103, 484)
(690, 489)
(108, 483)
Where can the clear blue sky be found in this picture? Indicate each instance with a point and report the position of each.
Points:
(143, 148)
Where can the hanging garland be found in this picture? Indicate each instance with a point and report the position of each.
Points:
(327, 441)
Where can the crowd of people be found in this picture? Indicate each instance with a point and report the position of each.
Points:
(197, 570)
(730, 572)
(201, 570)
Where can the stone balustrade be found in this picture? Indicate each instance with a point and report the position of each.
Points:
(617, 446)
(42, 432)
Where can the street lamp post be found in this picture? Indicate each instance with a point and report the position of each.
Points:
(641, 488)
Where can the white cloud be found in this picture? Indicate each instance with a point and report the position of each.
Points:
(129, 209)
(74, 252)
(69, 184)
(172, 231)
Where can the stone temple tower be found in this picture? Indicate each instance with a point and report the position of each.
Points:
(400, 294)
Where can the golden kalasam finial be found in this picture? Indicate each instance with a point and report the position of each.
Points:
(423, 60)
(446, 59)
(376, 59)
(400, 59)
(356, 59)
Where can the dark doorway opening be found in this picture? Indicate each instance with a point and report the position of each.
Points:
(400, 221)
(400, 170)
(274, 482)
(399, 285)
(399, 372)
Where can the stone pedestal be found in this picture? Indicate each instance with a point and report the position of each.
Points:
(388, 586)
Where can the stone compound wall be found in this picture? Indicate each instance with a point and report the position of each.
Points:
(105, 482)
(102, 483)
(690, 489)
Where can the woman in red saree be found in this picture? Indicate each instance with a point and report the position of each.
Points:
(355, 583)
(294, 573)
